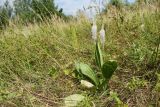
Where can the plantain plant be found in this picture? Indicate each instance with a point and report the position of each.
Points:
(101, 78)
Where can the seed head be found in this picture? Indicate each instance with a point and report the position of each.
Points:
(102, 36)
(94, 31)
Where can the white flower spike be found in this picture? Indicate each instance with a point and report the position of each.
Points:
(94, 31)
(102, 36)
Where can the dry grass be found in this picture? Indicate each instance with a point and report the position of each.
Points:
(33, 59)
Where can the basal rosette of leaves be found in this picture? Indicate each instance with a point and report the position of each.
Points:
(105, 68)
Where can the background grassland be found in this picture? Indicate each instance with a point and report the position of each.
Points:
(35, 58)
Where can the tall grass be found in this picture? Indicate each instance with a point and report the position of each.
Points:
(33, 58)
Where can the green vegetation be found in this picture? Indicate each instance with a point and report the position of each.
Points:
(5, 15)
(83, 71)
(36, 10)
(37, 60)
(29, 11)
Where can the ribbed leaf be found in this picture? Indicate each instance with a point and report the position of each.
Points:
(88, 72)
(73, 100)
(108, 69)
(98, 56)
(77, 65)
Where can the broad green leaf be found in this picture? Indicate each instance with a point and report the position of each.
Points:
(77, 65)
(98, 56)
(108, 69)
(73, 100)
(78, 70)
(88, 72)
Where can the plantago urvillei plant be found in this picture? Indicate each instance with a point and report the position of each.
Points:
(105, 69)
